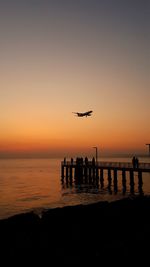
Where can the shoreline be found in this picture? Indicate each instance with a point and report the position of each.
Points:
(85, 233)
(123, 206)
(58, 205)
(39, 212)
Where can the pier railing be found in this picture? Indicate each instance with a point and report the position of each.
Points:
(106, 165)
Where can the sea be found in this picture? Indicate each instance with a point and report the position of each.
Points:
(36, 185)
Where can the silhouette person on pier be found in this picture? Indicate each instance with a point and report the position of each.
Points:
(136, 162)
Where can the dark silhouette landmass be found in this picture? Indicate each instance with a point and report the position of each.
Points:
(116, 233)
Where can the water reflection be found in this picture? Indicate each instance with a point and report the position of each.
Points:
(110, 186)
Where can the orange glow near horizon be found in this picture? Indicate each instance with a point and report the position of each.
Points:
(114, 142)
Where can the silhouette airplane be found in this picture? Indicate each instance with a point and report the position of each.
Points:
(84, 114)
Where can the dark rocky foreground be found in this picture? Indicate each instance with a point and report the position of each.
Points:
(100, 234)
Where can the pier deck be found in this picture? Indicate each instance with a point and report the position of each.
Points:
(87, 172)
(126, 166)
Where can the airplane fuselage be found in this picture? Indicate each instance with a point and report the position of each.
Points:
(84, 114)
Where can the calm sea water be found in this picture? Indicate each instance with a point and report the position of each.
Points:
(35, 184)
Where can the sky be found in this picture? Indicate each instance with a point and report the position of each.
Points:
(64, 56)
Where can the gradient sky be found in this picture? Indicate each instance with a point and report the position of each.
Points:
(60, 56)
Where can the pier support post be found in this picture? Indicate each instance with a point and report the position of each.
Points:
(140, 182)
(131, 181)
(70, 172)
(66, 172)
(124, 180)
(70, 175)
(109, 176)
(101, 174)
(85, 173)
(115, 181)
(102, 177)
(131, 178)
(62, 172)
(109, 181)
(89, 174)
(97, 173)
(93, 172)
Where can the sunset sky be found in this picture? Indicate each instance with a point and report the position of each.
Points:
(60, 56)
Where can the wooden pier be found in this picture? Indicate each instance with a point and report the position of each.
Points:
(85, 172)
